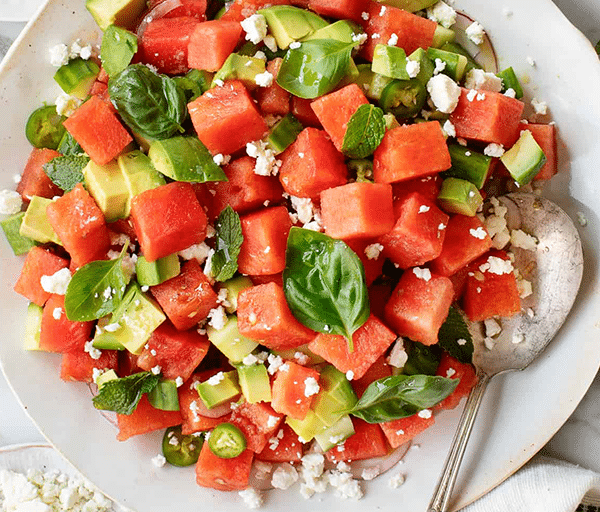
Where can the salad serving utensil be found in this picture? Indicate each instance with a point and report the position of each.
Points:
(555, 267)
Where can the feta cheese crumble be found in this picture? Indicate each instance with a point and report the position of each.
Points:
(442, 13)
(264, 79)
(266, 163)
(197, 252)
(498, 266)
(481, 80)
(494, 150)
(413, 67)
(422, 273)
(91, 350)
(425, 413)
(57, 283)
(216, 379)
(311, 387)
(217, 318)
(10, 202)
(66, 104)
(255, 27)
(444, 93)
(59, 55)
(159, 460)
(252, 498)
(284, 476)
(539, 107)
(373, 251)
(478, 233)
(518, 238)
(475, 32)
(449, 128)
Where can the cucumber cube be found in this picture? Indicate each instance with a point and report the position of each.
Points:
(254, 383)
(469, 165)
(284, 133)
(456, 64)
(230, 342)
(336, 434)
(33, 326)
(76, 77)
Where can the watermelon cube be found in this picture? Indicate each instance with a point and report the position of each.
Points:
(545, 136)
(80, 366)
(145, 419)
(34, 181)
(403, 430)
(258, 422)
(58, 333)
(294, 389)
(223, 474)
(452, 368)
(288, 447)
(211, 42)
(367, 442)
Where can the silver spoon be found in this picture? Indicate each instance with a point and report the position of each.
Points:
(555, 268)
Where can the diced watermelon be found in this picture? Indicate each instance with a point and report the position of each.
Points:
(428, 186)
(545, 136)
(178, 353)
(195, 8)
(379, 294)
(39, 262)
(80, 226)
(168, 219)
(489, 117)
(292, 390)
(311, 164)
(58, 333)
(302, 110)
(223, 474)
(357, 210)
(226, 118)
(288, 447)
(273, 278)
(265, 239)
(186, 298)
(411, 151)
(419, 306)
(241, 9)
(127, 363)
(459, 282)
(491, 291)
(452, 368)
(264, 315)
(418, 234)
(34, 181)
(258, 422)
(123, 226)
(367, 442)
(466, 239)
(403, 430)
(370, 342)
(145, 419)
(211, 42)
(95, 126)
(273, 99)
(373, 264)
(335, 109)
(384, 20)
(378, 370)
(80, 366)
(341, 9)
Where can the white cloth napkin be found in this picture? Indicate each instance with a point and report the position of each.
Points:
(542, 485)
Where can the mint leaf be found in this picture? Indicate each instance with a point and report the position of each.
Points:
(66, 171)
(400, 396)
(118, 48)
(96, 289)
(123, 395)
(69, 146)
(453, 330)
(365, 132)
(229, 239)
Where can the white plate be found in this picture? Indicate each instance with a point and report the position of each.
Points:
(520, 411)
(19, 10)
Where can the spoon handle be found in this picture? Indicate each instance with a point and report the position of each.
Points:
(441, 496)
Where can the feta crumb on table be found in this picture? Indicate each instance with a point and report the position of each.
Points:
(10, 202)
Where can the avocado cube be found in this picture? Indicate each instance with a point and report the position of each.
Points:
(341, 30)
(390, 61)
(230, 342)
(105, 377)
(106, 339)
(524, 159)
(459, 196)
(123, 13)
(335, 397)
(307, 428)
(442, 36)
(107, 186)
(456, 63)
(33, 326)
(336, 434)
(288, 24)
(426, 66)
(254, 382)
(139, 173)
(218, 389)
(158, 271)
(35, 224)
(240, 67)
(11, 227)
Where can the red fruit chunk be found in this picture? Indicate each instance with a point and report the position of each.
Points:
(194, 8)
(290, 390)
(145, 419)
(191, 406)
(79, 366)
(452, 368)
(288, 447)
(258, 422)
(273, 99)
(211, 43)
(223, 474)
(378, 370)
(34, 181)
(302, 110)
(428, 186)
(403, 430)
(58, 333)
(241, 9)
(545, 136)
(373, 265)
(367, 442)
(341, 9)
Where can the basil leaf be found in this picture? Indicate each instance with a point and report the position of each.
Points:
(315, 68)
(96, 289)
(118, 48)
(66, 171)
(400, 396)
(365, 132)
(324, 283)
(151, 104)
(229, 239)
(123, 395)
(454, 337)
(422, 359)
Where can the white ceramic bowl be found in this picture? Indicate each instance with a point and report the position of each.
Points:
(520, 411)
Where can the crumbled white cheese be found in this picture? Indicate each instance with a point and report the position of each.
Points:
(478, 233)
(66, 104)
(77, 50)
(539, 107)
(179, 382)
(216, 379)
(492, 327)
(489, 343)
(349, 375)
(444, 93)
(255, 27)
(275, 363)
(498, 266)
(272, 421)
(461, 341)
(493, 149)
(311, 387)
(220, 159)
(91, 350)
(396, 480)
(266, 162)
(450, 372)
(252, 498)
(482, 80)
(156, 369)
(10, 202)
(393, 40)
(442, 13)
(422, 273)
(373, 251)
(472, 94)
(301, 358)
(440, 65)
(364, 15)
(518, 338)
(270, 43)
(295, 45)
(510, 92)
(530, 61)
(56, 313)
(359, 38)
(59, 55)
(425, 413)
(57, 283)
(217, 318)
(475, 32)
(250, 359)
(284, 476)
(398, 355)
(370, 473)
(413, 67)
(159, 460)
(449, 128)
(304, 207)
(424, 209)
(518, 238)
(264, 79)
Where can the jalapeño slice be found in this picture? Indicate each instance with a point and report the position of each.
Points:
(181, 450)
(403, 98)
(45, 128)
(226, 441)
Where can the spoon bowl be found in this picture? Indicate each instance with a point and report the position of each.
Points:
(555, 268)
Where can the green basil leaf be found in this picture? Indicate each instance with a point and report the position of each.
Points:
(66, 171)
(151, 104)
(118, 48)
(229, 239)
(123, 395)
(315, 68)
(400, 396)
(324, 283)
(365, 132)
(454, 337)
(96, 289)
(422, 359)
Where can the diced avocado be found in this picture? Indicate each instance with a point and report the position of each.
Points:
(242, 68)
(123, 13)
(524, 159)
(288, 24)
(350, 76)
(164, 396)
(105, 377)
(459, 196)
(341, 430)
(372, 84)
(335, 397)
(510, 81)
(139, 173)
(138, 317)
(219, 392)
(390, 121)
(390, 61)
(441, 36)
(33, 326)
(234, 286)
(362, 168)
(107, 186)
(35, 224)
(341, 30)
(468, 164)
(284, 133)
(426, 65)
(77, 76)
(307, 428)
(118, 48)
(456, 63)
(254, 382)
(230, 342)
(158, 271)
(409, 5)
(105, 339)
(11, 226)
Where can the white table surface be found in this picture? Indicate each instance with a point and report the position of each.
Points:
(578, 441)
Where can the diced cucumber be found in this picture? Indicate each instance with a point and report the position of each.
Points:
(456, 63)
(441, 36)
(11, 226)
(284, 133)
(510, 81)
(158, 271)
(234, 286)
(524, 159)
(164, 396)
(341, 30)
(76, 77)
(468, 164)
(307, 428)
(35, 224)
(230, 342)
(459, 196)
(426, 65)
(372, 84)
(254, 383)
(390, 61)
(341, 430)
(461, 50)
(33, 326)
(213, 394)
